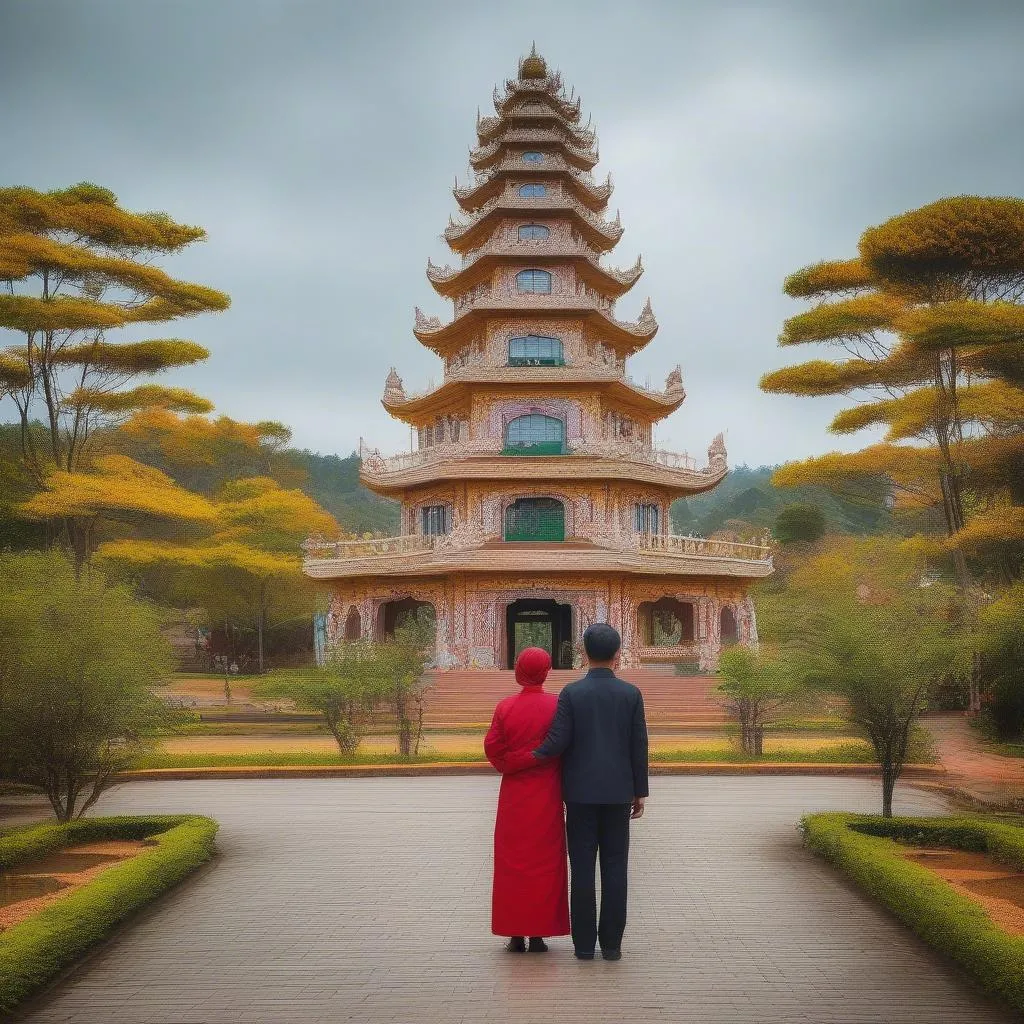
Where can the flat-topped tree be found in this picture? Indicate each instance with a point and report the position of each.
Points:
(932, 319)
(78, 268)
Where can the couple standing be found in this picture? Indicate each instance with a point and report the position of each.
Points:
(588, 750)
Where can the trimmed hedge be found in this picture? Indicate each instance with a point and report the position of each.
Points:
(35, 950)
(864, 847)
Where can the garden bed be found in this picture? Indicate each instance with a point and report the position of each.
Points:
(79, 880)
(957, 882)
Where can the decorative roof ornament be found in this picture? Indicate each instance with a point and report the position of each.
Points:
(717, 453)
(533, 66)
(646, 313)
(674, 382)
(426, 323)
(393, 386)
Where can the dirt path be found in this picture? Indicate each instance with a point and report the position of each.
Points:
(984, 775)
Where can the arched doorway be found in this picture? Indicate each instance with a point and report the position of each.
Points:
(727, 626)
(353, 624)
(395, 614)
(666, 622)
(538, 623)
(535, 519)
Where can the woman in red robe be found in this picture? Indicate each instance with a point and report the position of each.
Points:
(530, 895)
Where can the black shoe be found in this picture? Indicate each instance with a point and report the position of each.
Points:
(537, 945)
(583, 956)
(611, 954)
(517, 944)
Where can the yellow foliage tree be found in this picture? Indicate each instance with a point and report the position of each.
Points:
(77, 267)
(928, 324)
(250, 561)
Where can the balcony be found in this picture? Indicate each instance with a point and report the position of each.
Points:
(468, 549)
(577, 459)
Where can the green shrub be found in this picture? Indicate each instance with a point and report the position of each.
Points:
(864, 847)
(32, 952)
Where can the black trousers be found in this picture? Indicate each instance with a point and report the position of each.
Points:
(592, 831)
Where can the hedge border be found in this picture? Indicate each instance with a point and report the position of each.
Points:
(34, 951)
(863, 846)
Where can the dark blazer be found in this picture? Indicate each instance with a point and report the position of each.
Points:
(601, 734)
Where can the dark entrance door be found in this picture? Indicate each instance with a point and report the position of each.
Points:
(537, 623)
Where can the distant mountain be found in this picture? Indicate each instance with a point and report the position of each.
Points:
(334, 483)
(747, 501)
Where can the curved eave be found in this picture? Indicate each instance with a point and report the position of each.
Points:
(487, 156)
(546, 89)
(465, 238)
(609, 283)
(519, 558)
(445, 339)
(490, 129)
(471, 199)
(678, 482)
(649, 404)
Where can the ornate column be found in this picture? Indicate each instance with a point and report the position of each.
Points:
(709, 636)
(747, 622)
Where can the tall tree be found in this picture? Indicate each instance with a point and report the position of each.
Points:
(75, 268)
(931, 321)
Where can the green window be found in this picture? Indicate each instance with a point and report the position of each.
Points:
(535, 519)
(535, 350)
(535, 434)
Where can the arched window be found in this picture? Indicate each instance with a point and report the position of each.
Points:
(535, 434)
(531, 231)
(535, 519)
(533, 158)
(537, 281)
(646, 518)
(532, 191)
(535, 350)
(435, 520)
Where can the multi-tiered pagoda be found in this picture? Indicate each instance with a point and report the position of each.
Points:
(535, 502)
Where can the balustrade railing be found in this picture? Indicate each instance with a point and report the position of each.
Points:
(370, 547)
(376, 465)
(673, 544)
(661, 544)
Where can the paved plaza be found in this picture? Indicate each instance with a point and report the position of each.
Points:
(368, 900)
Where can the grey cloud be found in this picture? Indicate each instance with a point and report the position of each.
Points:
(317, 142)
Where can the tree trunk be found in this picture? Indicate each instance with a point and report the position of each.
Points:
(259, 629)
(889, 775)
(974, 685)
(759, 741)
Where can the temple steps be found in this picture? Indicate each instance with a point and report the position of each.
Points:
(463, 698)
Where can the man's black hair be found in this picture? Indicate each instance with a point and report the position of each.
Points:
(601, 641)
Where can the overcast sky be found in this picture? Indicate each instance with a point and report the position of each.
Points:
(317, 142)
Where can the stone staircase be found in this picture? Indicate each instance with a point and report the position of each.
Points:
(464, 698)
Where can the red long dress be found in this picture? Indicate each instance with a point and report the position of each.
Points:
(530, 895)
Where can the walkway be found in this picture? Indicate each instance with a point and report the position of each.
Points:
(988, 777)
(367, 900)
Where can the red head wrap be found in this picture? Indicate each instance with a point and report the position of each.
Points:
(532, 666)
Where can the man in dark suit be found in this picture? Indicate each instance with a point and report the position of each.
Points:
(600, 733)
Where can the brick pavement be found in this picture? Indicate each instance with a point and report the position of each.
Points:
(367, 900)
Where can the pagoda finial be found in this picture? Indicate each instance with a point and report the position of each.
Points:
(533, 66)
